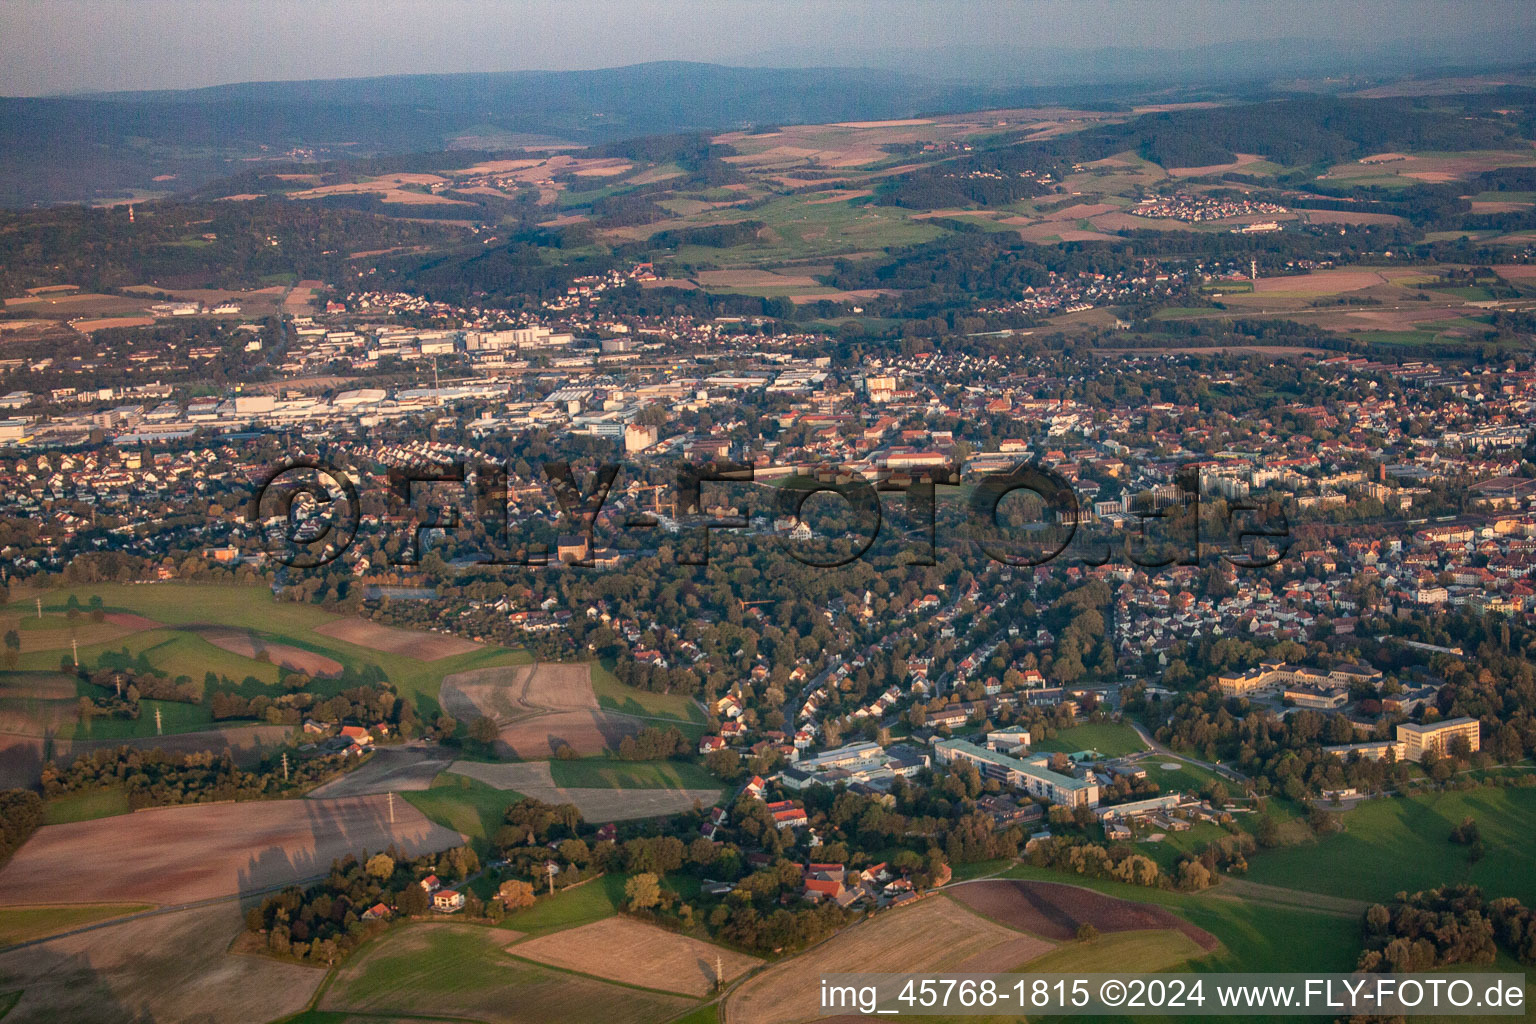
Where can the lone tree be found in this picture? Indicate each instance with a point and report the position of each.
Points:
(1086, 932)
(483, 730)
(642, 892)
(516, 894)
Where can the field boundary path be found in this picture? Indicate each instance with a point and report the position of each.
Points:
(1240, 889)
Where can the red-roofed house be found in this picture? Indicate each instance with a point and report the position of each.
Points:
(818, 889)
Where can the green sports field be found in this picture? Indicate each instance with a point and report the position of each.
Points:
(1111, 739)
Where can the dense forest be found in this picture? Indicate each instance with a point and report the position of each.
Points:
(190, 245)
(1294, 132)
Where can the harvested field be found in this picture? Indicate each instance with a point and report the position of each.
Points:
(1075, 235)
(538, 708)
(412, 643)
(859, 295)
(1325, 282)
(500, 167)
(1055, 911)
(518, 690)
(602, 169)
(81, 304)
(900, 123)
(935, 934)
(841, 195)
(1401, 319)
(37, 686)
(168, 967)
(585, 732)
(1430, 167)
(460, 971)
(1122, 221)
(1516, 271)
(753, 279)
(404, 769)
(249, 645)
(391, 188)
(105, 322)
(86, 634)
(173, 855)
(1050, 231)
(1348, 217)
(533, 778)
(634, 953)
(1080, 210)
(1243, 160)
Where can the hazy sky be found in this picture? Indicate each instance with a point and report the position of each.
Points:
(50, 46)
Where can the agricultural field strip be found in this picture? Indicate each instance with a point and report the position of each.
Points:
(533, 779)
(622, 950)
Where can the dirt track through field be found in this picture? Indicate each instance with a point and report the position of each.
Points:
(533, 778)
(175, 855)
(1257, 892)
(413, 643)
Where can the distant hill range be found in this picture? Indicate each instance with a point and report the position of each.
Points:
(63, 149)
(116, 145)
